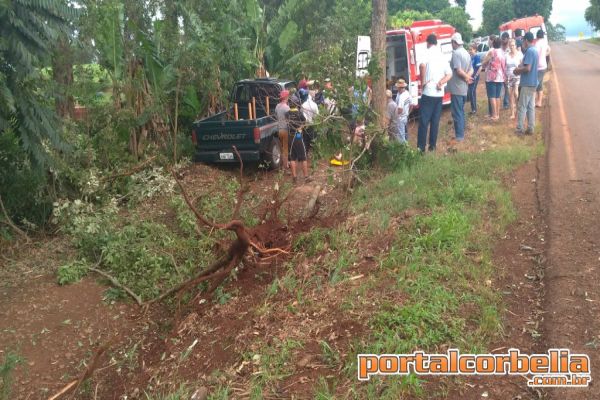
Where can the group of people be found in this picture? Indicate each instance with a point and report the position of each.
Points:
(504, 73)
(513, 66)
(514, 69)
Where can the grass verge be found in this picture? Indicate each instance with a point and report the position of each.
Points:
(440, 260)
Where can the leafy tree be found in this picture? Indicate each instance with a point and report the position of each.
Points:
(461, 3)
(454, 16)
(556, 33)
(532, 7)
(592, 14)
(458, 18)
(305, 31)
(495, 12)
(27, 31)
(407, 17)
(432, 6)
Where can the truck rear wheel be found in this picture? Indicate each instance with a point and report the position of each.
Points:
(272, 156)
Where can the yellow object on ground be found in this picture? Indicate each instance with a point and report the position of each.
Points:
(338, 163)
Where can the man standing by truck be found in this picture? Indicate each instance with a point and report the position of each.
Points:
(281, 112)
(297, 124)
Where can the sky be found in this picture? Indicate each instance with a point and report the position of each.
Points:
(566, 12)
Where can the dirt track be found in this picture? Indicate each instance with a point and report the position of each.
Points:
(572, 206)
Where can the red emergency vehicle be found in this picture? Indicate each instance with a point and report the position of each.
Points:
(527, 24)
(406, 49)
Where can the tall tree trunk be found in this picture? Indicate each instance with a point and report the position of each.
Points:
(62, 72)
(378, 53)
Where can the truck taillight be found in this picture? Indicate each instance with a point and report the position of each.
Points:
(257, 135)
(194, 137)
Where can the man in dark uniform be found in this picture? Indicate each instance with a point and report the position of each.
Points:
(297, 148)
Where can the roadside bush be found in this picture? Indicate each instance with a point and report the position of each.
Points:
(72, 272)
(391, 155)
(22, 185)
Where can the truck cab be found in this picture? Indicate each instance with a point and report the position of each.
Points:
(248, 124)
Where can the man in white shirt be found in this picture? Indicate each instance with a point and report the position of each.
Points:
(543, 50)
(310, 109)
(435, 72)
(403, 104)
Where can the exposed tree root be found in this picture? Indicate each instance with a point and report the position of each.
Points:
(217, 272)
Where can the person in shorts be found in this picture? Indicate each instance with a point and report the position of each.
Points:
(297, 146)
(495, 71)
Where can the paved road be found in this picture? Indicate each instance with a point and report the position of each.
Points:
(572, 279)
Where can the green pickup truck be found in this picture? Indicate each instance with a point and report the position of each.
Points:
(255, 137)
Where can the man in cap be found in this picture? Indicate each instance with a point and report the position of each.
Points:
(434, 72)
(459, 84)
(281, 112)
(403, 107)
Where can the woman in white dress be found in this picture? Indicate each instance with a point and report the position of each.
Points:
(514, 57)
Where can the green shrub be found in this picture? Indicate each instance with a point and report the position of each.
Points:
(393, 156)
(11, 360)
(72, 272)
(22, 184)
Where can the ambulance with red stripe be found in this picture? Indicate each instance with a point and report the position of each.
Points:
(406, 48)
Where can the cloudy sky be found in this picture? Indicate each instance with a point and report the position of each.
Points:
(566, 12)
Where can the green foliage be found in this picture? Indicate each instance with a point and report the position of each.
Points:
(496, 12)
(10, 362)
(443, 301)
(443, 230)
(592, 14)
(22, 185)
(393, 156)
(455, 16)
(72, 272)
(27, 30)
(431, 6)
(458, 18)
(316, 37)
(182, 393)
(532, 7)
(405, 18)
(275, 363)
(556, 33)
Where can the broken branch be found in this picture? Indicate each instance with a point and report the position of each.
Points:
(116, 283)
(11, 224)
(136, 169)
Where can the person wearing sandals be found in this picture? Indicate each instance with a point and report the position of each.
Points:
(514, 57)
(494, 63)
